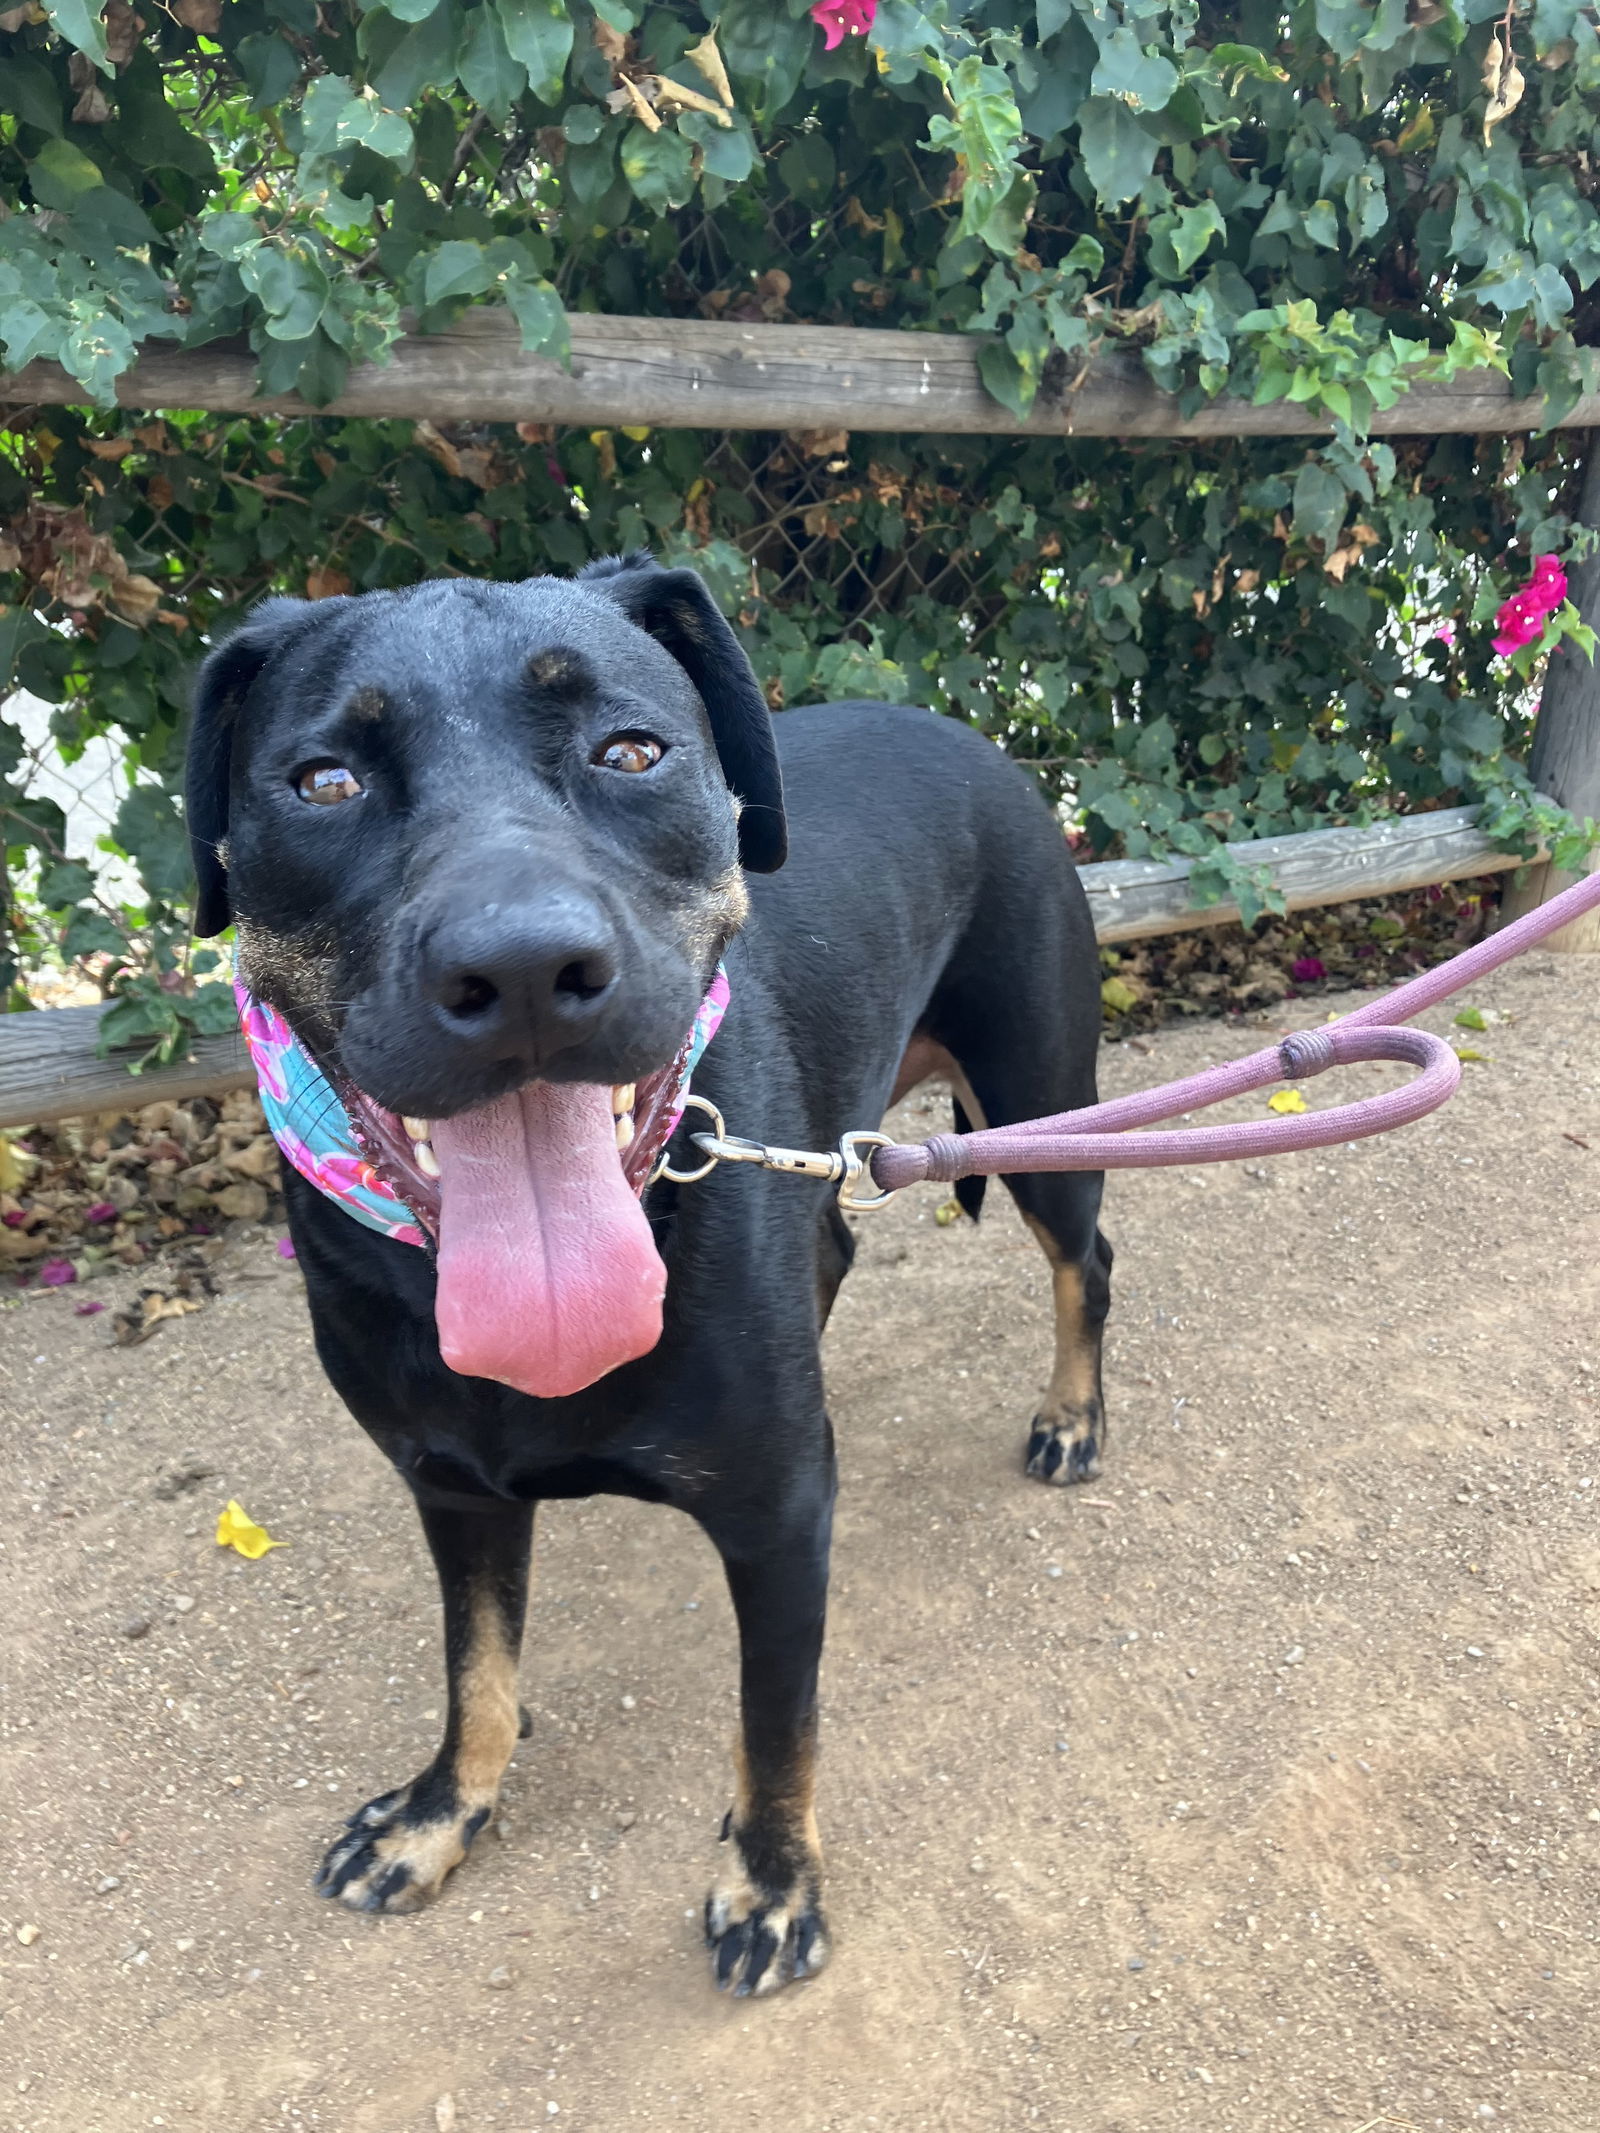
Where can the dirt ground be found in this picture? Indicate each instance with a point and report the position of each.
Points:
(1255, 1786)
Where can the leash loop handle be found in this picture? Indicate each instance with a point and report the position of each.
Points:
(1099, 1137)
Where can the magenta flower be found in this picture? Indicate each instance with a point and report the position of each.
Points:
(1520, 620)
(286, 1248)
(15, 1219)
(839, 19)
(87, 1310)
(1307, 970)
(102, 1211)
(57, 1274)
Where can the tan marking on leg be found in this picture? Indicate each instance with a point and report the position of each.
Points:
(487, 1723)
(1071, 1408)
(488, 1707)
(791, 1808)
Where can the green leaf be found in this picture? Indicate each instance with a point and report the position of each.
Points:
(61, 174)
(292, 287)
(1009, 380)
(489, 74)
(135, 1017)
(1137, 78)
(27, 331)
(1319, 502)
(1118, 153)
(726, 152)
(538, 310)
(66, 882)
(539, 34)
(229, 236)
(90, 932)
(28, 92)
(658, 167)
(149, 830)
(411, 10)
(456, 269)
(20, 627)
(270, 66)
(766, 48)
(81, 23)
(424, 58)
(1195, 228)
(210, 1009)
(1471, 1018)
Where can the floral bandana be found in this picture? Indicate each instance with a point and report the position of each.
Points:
(317, 1127)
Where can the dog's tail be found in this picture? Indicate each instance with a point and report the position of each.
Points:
(968, 1191)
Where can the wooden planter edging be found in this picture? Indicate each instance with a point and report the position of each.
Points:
(48, 1067)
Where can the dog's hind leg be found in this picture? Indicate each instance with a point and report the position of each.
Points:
(1069, 1430)
(397, 1850)
(1062, 1210)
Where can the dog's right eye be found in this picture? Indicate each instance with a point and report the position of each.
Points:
(326, 784)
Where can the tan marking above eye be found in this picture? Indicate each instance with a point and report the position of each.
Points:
(630, 752)
(327, 784)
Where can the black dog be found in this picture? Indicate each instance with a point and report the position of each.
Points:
(484, 845)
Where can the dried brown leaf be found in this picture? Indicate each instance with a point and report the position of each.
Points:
(708, 59)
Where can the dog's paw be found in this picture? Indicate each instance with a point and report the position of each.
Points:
(760, 1943)
(1065, 1447)
(397, 1850)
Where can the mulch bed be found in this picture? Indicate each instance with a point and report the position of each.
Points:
(1372, 943)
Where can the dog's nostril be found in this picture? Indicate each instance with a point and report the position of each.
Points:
(583, 980)
(469, 995)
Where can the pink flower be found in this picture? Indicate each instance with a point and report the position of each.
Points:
(1520, 620)
(1307, 970)
(102, 1211)
(286, 1248)
(57, 1274)
(87, 1310)
(839, 19)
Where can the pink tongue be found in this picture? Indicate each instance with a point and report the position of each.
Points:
(548, 1274)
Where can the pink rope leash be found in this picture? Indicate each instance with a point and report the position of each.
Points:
(1100, 1137)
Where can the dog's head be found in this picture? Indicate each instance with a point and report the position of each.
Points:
(483, 845)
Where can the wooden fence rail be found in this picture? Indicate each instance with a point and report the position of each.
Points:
(48, 1066)
(704, 374)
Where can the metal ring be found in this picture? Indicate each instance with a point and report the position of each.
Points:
(692, 1177)
(851, 1147)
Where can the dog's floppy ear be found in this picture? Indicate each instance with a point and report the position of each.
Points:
(675, 608)
(224, 683)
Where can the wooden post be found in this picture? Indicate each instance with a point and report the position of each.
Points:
(1565, 762)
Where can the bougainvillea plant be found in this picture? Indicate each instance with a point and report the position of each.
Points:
(1325, 201)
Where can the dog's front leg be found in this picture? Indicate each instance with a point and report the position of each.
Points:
(764, 1919)
(399, 1847)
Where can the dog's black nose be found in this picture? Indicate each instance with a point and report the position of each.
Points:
(527, 979)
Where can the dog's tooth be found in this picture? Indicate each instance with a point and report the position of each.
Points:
(423, 1156)
(621, 1098)
(625, 1131)
(420, 1129)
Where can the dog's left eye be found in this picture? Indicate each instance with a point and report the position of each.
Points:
(632, 752)
(326, 784)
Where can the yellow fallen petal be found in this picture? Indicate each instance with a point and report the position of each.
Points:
(1287, 1100)
(236, 1529)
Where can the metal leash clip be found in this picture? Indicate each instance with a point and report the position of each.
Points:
(847, 1165)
